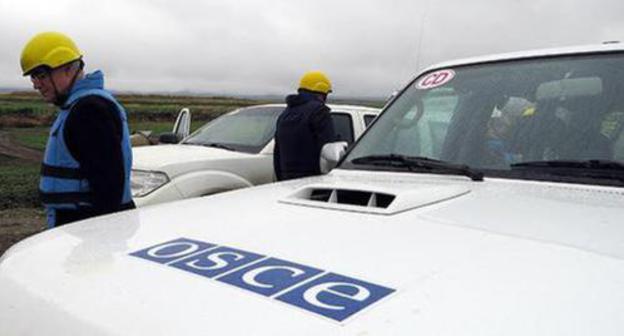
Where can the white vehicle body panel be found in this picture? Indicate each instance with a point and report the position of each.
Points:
(198, 171)
(573, 50)
(456, 268)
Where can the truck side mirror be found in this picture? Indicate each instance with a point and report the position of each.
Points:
(331, 153)
(168, 138)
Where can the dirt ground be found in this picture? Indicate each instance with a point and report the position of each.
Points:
(10, 148)
(17, 224)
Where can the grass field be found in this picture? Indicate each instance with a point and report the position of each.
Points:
(26, 108)
(31, 137)
(36, 137)
(27, 118)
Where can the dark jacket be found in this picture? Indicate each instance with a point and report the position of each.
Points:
(93, 134)
(301, 131)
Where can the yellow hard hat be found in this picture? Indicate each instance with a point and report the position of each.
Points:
(528, 112)
(315, 81)
(48, 49)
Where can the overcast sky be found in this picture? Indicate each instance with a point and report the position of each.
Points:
(368, 48)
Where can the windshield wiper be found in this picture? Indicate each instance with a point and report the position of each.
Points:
(419, 163)
(583, 164)
(602, 169)
(219, 145)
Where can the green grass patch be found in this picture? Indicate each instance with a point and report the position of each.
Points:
(31, 137)
(19, 184)
(154, 126)
(159, 127)
(37, 137)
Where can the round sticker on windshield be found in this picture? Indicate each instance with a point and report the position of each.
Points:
(436, 79)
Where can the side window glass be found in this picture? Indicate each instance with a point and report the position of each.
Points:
(343, 127)
(612, 128)
(368, 119)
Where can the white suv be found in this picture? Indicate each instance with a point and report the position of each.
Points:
(231, 152)
(487, 199)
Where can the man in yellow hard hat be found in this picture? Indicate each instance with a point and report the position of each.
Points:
(86, 166)
(303, 128)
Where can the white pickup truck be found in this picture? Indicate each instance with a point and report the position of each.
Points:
(487, 199)
(231, 152)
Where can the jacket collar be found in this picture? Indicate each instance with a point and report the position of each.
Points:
(94, 80)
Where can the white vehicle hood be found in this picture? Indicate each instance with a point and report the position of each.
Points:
(476, 258)
(176, 159)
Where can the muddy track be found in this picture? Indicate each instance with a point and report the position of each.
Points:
(17, 224)
(9, 147)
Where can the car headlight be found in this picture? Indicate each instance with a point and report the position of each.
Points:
(144, 182)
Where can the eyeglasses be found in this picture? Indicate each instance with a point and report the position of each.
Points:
(39, 74)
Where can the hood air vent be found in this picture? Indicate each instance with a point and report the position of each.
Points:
(371, 199)
(351, 197)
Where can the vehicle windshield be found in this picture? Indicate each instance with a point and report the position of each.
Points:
(555, 119)
(245, 130)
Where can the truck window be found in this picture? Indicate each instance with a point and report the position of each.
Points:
(368, 119)
(343, 126)
(542, 119)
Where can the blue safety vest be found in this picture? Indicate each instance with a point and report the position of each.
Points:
(62, 184)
